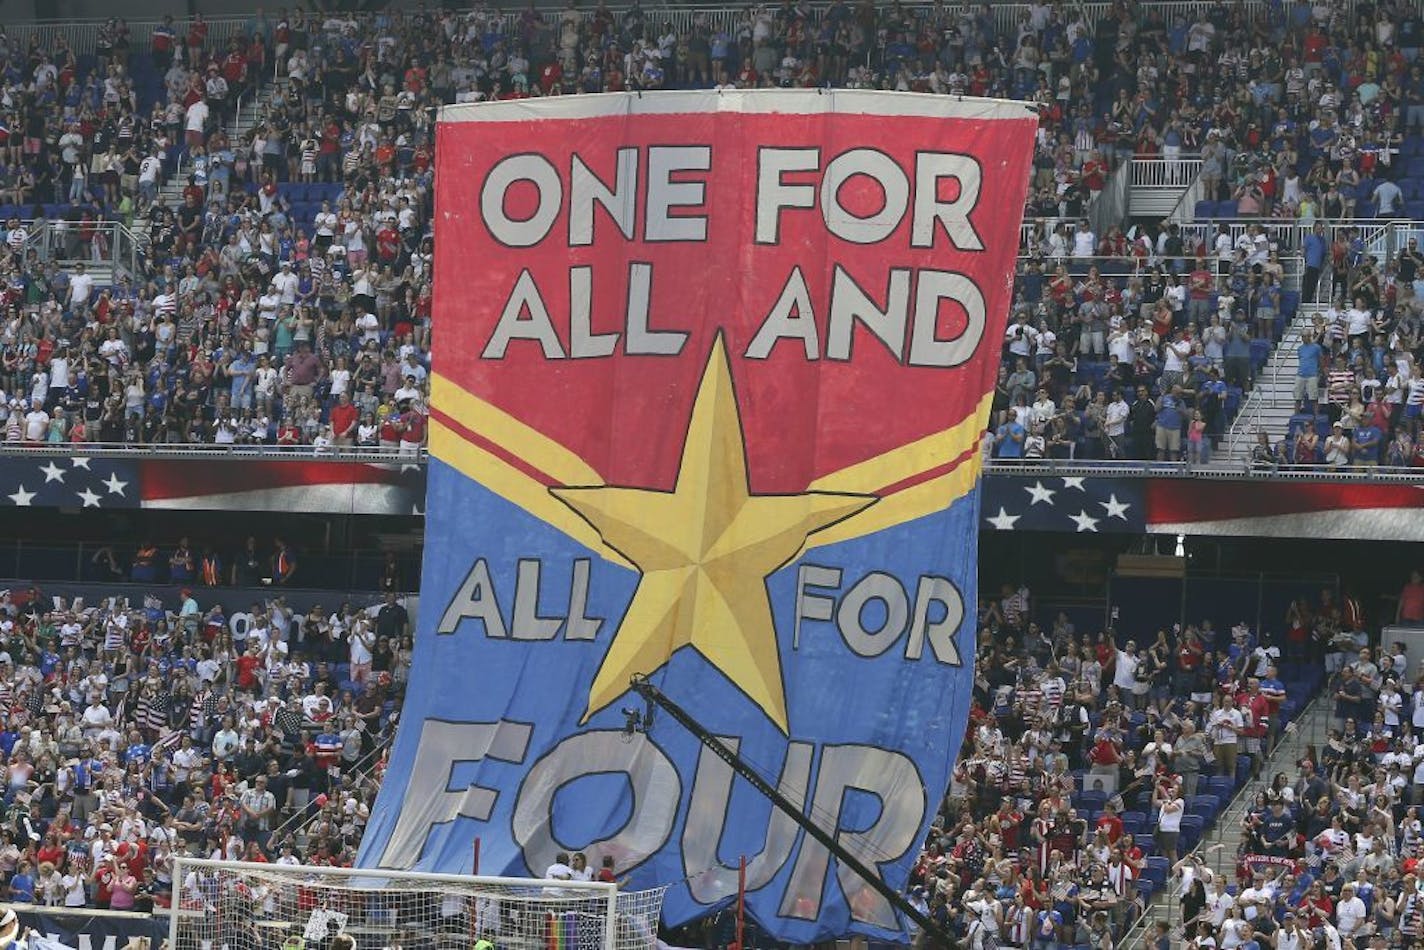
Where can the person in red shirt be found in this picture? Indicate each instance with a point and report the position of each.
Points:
(1317, 906)
(234, 69)
(1254, 704)
(390, 435)
(344, 417)
(1110, 821)
(1094, 172)
(411, 427)
(1411, 600)
(388, 244)
(247, 666)
(551, 76)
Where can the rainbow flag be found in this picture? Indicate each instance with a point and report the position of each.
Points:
(561, 931)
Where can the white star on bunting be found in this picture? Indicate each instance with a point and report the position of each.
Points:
(22, 498)
(1116, 509)
(115, 486)
(90, 499)
(52, 473)
(1003, 521)
(1084, 522)
(80, 462)
(1074, 483)
(1039, 493)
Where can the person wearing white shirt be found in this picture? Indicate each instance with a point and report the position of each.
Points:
(148, 172)
(59, 371)
(195, 121)
(36, 424)
(1125, 670)
(1358, 321)
(1042, 409)
(1256, 898)
(1225, 250)
(1219, 903)
(1174, 359)
(1085, 242)
(96, 719)
(285, 283)
(1171, 808)
(1391, 703)
(1350, 912)
(208, 670)
(1224, 728)
(369, 326)
(81, 286)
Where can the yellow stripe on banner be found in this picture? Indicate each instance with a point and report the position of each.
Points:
(515, 487)
(907, 461)
(507, 432)
(915, 502)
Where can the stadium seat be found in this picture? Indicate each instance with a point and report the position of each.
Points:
(1192, 828)
(1221, 786)
(1207, 806)
(1092, 800)
(1156, 870)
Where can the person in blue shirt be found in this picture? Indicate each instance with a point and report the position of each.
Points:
(138, 752)
(1169, 426)
(22, 885)
(1367, 443)
(1307, 374)
(1313, 250)
(1009, 440)
(241, 370)
(1277, 829)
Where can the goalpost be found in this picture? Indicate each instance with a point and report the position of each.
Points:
(227, 905)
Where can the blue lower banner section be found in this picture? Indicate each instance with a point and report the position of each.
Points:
(505, 738)
(89, 929)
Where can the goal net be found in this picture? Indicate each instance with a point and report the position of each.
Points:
(221, 905)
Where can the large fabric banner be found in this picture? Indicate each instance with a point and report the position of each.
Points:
(708, 389)
(81, 929)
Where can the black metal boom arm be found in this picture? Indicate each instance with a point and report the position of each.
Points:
(652, 694)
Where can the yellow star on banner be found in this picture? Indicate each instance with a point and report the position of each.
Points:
(705, 550)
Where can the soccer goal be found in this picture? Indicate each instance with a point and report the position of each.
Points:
(222, 905)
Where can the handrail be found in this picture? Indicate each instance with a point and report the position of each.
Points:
(1184, 212)
(362, 771)
(207, 450)
(1057, 467)
(1089, 468)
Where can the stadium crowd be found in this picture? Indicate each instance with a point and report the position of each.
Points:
(286, 300)
(1093, 763)
(137, 732)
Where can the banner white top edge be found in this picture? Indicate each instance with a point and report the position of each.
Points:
(752, 101)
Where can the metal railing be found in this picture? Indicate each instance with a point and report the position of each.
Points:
(1110, 208)
(1185, 210)
(1218, 470)
(102, 243)
(363, 774)
(1165, 172)
(207, 451)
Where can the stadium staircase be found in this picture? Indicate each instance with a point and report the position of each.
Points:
(1220, 847)
(249, 111)
(1158, 187)
(1270, 405)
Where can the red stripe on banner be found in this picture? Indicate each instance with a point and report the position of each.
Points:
(1181, 501)
(474, 438)
(160, 480)
(935, 472)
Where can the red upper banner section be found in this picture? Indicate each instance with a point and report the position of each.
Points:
(859, 265)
